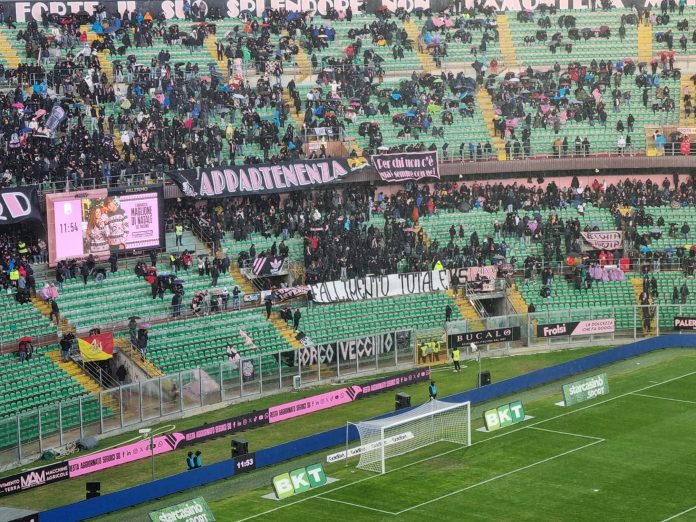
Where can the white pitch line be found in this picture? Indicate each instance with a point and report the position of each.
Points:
(503, 475)
(510, 432)
(663, 398)
(679, 514)
(567, 433)
(358, 505)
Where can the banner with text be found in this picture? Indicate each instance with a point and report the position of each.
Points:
(497, 335)
(19, 204)
(367, 347)
(334, 398)
(246, 180)
(684, 323)
(589, 327)
(584, 389)
(33, 478)
(194, 510)
(603, 240)
(375, 287)
(406, 166)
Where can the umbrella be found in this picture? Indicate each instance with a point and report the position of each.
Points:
(18, 105)
(239, 96)
(293, 15)
(25, 339)
(145, 325)
(39, 113)
(134, 318)
(179, 281)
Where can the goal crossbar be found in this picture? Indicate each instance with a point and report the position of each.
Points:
(434, 421)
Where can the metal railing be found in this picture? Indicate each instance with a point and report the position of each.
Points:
(145, 402)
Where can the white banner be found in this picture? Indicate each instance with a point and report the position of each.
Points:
(352, 452)
(367, 347)
(375, 287)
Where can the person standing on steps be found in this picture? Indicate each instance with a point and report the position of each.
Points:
(179, 233)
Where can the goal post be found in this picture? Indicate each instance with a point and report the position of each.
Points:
(432, 422)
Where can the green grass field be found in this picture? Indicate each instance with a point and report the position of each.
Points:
(630, 455)
(626, 456)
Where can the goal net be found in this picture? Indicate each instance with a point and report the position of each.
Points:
(434, 421)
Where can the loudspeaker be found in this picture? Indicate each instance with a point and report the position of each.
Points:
(93, 489)
(484, 378)
(403, 400)
(239, 447)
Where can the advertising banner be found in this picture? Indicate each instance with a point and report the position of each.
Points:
(123, 454)
(572, 328)
(33, 478)
(327, 400)
(19, 204)
(375, 287)
(684, 323)
(406, 166)
(113, 457)
(261, 179)
(479, 278)
(497, 335)
(366, 347)
(101, 220)
(585, 389)
(603, 240)
(194, 510)
(503, 416)
(354, 452)
(268, 266)
(298, 481)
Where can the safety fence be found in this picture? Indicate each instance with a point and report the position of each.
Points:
(322, 441)
(147, 401)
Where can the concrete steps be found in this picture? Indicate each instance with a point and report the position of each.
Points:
(466, 309)
(488, 112)
(244, 284)
(125, 347)
(684, 85)
(517, 301)
(211, 45)
(645, 43)
(427, 62)
(8, 52)
(286, 331)
(506, 43)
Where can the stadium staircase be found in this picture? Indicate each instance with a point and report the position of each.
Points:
(466, 309)
(211, 45)
(507, 46)
(125, 347)
(242, 282)
(8, 52)
(285, 330)
(488, 112)
(302, 61)
(297, 117)
(104, 62)
(426, 61)
(516, 299)
(684, 121)
(85, 380)
(637, 284)
(645, 43)
(64, 326)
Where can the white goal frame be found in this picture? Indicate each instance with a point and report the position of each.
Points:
(373, 440)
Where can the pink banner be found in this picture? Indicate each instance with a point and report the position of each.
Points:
(312, 404)
(123, 454)
(594, 326)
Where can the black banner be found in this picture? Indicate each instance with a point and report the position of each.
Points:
(32, 9)
(19, 204)
(498, 335)
(405, 166)
(684, 323)
(360, 348)
(267, 265)
(243, 422)
(261, 179)
(244, 463)
(33, 478)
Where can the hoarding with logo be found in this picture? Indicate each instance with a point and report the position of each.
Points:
(298, 481)
(573, 328)
(495, 335)
(194, 510)
(503, 416)
(584, 389)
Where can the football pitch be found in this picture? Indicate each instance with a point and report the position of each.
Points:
(628, 455)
